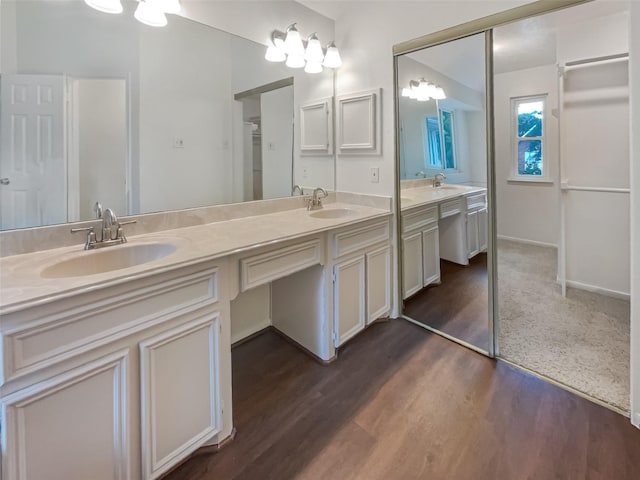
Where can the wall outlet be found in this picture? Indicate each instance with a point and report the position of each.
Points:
(178, 142)
(305, 172)
(374, 175)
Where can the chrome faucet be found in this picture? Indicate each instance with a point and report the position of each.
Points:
(315, 202)
(112, 232)
(438, 179)
(298, 188)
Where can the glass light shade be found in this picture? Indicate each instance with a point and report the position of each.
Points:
(150, 13)
(278, 42)
(413, 95)
(295, 61)
(293, 43)
(106, 6)
(274, 54)
(171, 6)
(313, 67)
(314, 53)
(438, 93)
(332, 58)
(431, 89)
(406, 92)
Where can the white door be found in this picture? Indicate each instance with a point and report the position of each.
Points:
(411, 264)
(431, 255)
(348, 299)
(32, 155)
(378, 283)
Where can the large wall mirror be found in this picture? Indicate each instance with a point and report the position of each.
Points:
(443, 179)
(101, 108)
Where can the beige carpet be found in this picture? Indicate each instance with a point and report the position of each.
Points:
(581, 341)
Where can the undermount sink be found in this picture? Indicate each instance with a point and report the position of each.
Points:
(332, 213)
(110, 258)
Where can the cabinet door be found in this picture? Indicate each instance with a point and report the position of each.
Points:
(482, 230)
(411, 264)
(180, 393)
(378, 283)
(348, 299)
(70, 427)
(472, 234)
(430, 256)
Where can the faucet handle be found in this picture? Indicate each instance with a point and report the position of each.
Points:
(91, 236)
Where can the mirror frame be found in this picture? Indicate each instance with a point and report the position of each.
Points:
(481, 25)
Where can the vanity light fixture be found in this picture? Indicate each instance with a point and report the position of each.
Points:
(296, 53)
(423, 90)
(149, 12)
(106, 6)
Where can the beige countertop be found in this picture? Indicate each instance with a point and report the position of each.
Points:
(22, 286)
(425, 195)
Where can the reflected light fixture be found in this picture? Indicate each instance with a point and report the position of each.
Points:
(106, 6)
(422, 90)
(149, 12)
(297, 53)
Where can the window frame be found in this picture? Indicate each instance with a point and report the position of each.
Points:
(426, 146)
(515, 139)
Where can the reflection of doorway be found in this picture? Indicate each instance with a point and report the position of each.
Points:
(267, 143)
(32, 161)
(98, 144)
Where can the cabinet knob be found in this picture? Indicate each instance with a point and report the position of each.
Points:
(4, 181)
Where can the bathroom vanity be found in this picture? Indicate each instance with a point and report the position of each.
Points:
(448, 222)
(124, 372)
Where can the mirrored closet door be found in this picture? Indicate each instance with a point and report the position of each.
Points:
(442, 144)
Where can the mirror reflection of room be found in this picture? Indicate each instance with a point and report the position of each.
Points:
(169, 132)
(562, 108)
(443, 171)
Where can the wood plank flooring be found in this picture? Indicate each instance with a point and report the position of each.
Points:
(460, 305)
(403, 403)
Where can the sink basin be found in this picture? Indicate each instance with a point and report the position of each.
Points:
(110, 258)
(332, 213)
(450, 187)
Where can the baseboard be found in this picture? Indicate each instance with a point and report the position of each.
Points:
(595, 289)
(251, 336)
(527, 241)
(250, 333)
(304, 349)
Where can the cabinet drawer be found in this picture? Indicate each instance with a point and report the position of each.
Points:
(450, 208)
(358, 238)
(266, 267)
(81, 324)
(477, 201)
(419, 219)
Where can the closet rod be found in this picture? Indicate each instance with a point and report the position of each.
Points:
(595, 189)
(588, 62)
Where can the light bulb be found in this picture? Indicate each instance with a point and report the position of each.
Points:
(314, 53)
(171, 6)
(106, 6)
(274, 54)
(313, 67)
(295, 61)
(150, 13)
(406, 92)
(292, 42)
(332, 58)
(438, 93)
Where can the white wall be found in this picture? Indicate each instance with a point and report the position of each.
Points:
(276, 109)
(528, 211)
(102, 144)
(634, 42)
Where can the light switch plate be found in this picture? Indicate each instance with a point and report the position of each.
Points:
(374, 175)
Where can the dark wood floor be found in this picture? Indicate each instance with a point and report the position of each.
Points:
(401, 403)
(460, 305)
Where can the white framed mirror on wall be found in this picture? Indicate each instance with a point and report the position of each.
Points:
(143, 119)
(554, 301)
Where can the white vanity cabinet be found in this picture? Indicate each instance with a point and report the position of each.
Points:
(81, 374)
(421, 248)
(476, 224)
(361, 277)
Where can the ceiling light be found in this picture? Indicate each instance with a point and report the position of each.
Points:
(313, 67)
(314, 52)
(423, 90)
(106, 6)
(332, 58)
(293, 42)
(274, 54)
(438, 93)
(406, 92)
(150, 13)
